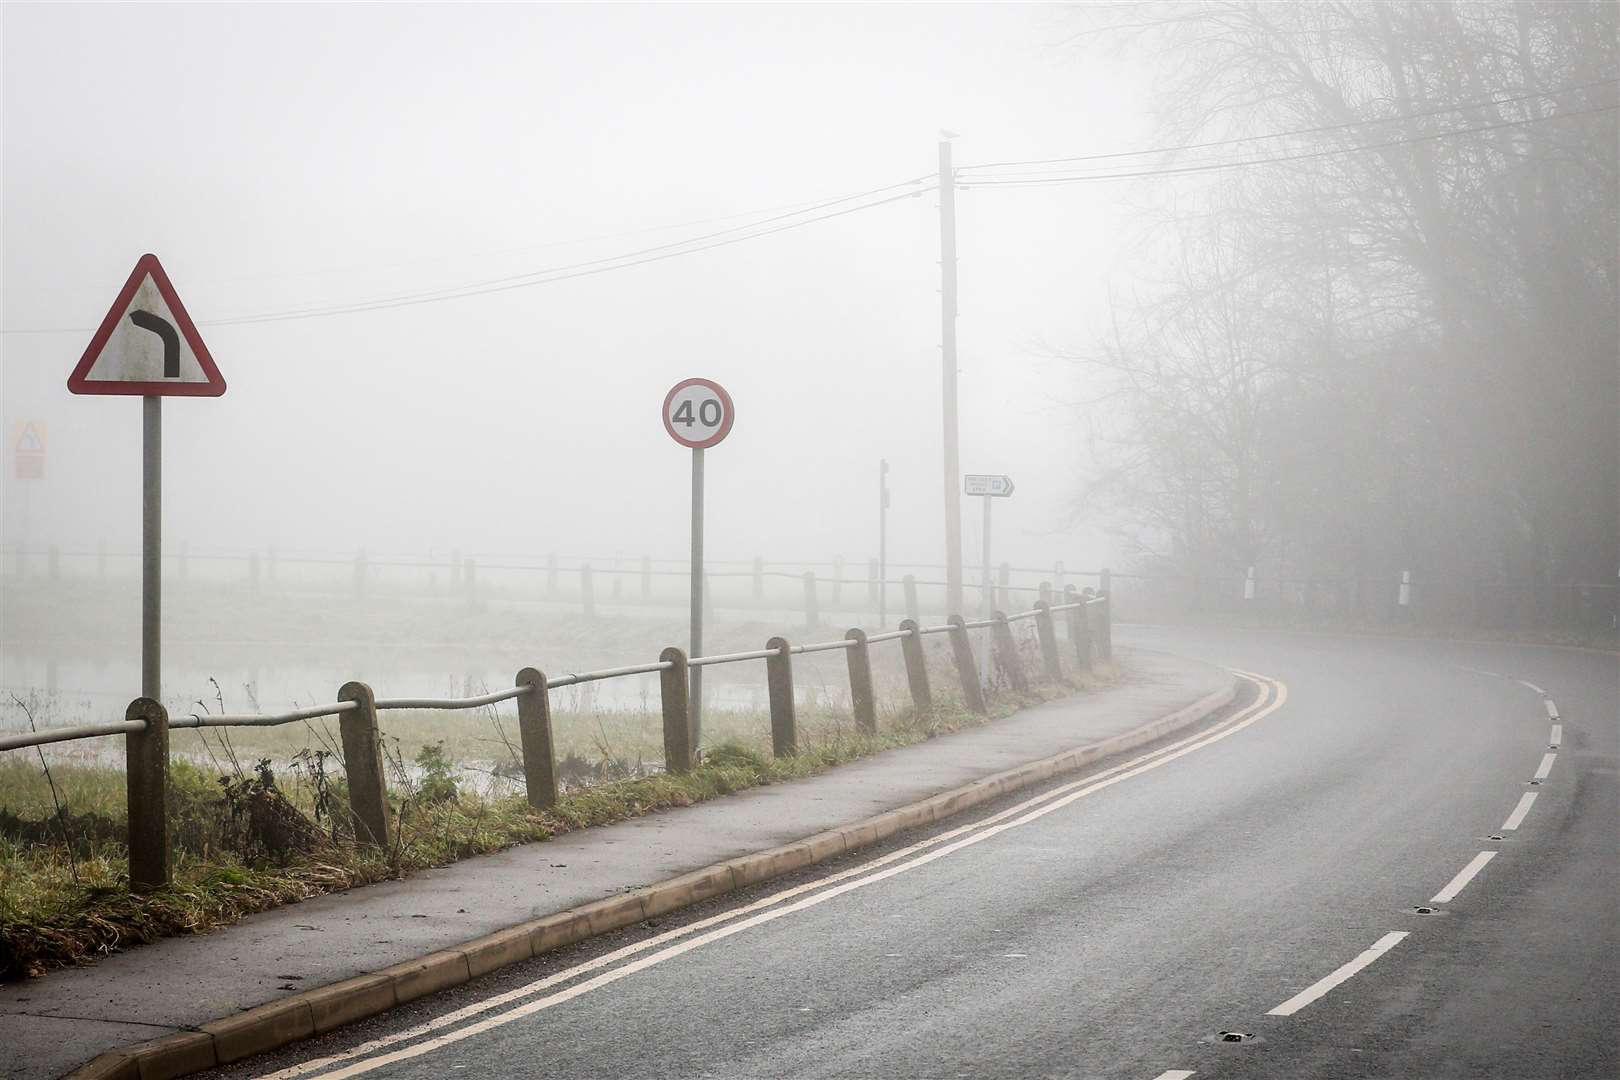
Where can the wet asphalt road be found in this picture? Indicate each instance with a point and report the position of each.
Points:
(1116, 936)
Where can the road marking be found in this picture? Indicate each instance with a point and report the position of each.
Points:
(767, 909)
(1464, 876)
(1174, 1074)
(1516, 818)
(1323, 985)
(1545, 767)
(1533, 686)
(1552, 708)
(1557, 735)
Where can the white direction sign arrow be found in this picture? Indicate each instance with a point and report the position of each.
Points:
(995, 486)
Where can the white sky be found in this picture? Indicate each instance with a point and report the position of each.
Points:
(285, 156)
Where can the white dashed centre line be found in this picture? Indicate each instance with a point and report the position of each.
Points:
(1343, 974)
(1545, 767)
(1557, 736)
(1516, 818)
(1552, 708)
(1174, 1074)
(1464, 876)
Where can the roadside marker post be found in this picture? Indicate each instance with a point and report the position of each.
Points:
(698, 414)
(147, 346)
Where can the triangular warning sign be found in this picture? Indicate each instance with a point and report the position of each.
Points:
(147, 344)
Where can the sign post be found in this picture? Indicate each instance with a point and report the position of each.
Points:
(148, 346)
(988, 487)
(698, 414)
(883, 541)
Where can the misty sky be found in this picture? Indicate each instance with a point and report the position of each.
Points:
(298, 156)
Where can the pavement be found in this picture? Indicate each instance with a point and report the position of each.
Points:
(52, 1024)
(1245, 906)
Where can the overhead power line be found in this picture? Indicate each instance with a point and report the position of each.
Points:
(1099, 177)
(1484, 103)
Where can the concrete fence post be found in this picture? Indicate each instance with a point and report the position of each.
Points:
(779, 684)
(1003, 579)
(1079, 630)
(873, 580)
(646, 577)
(253, 573)
(360, 573)
(534, 733)
(672, 684)
(863, 701)
(759, 579)
(909, 582)
(587, 591)
(838, 580)
(966, 670)
(1006, 652)
(1105, 580)
(363, 761)
(812, 615)
(1047, 632)
(54, 561)
(911, 648)
(1043, 594)
(1057, 576)
(146, 764)
(551, 574)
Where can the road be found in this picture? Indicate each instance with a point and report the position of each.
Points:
(1261, 878)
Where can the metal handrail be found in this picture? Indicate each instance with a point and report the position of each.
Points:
(730, 658)
(608, 673)
(453, 703)
(82, 731)
(888, 635)
(199, 720)
(824, 646)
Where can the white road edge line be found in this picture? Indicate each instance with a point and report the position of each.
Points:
(1557, 736)
(1323, 985)
(1516, 818)
(1545, 767)
(1464, 876)
(1552, 708)
(1273, 696)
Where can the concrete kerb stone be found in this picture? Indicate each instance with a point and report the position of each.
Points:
(323, 1009)
(265, 1027)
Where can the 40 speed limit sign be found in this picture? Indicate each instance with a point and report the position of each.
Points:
(698, 413)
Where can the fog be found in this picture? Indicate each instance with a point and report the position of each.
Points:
(284, 158)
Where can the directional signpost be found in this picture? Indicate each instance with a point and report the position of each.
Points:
(148, 346)
(697, 414)
(987, 486)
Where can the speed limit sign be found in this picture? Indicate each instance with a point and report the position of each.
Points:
(698, 413)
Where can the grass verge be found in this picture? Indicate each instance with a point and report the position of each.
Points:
(246, 841)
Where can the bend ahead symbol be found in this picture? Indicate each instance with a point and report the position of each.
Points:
(171, 339)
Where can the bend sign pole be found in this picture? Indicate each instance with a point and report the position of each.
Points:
(147, 346)
(698, 414)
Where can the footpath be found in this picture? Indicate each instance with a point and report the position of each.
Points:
(53, 1024)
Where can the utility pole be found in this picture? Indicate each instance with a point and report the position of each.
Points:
(947, 325)
(883, 542)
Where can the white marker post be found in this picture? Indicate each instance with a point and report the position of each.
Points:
(697, 413)
(148, 346)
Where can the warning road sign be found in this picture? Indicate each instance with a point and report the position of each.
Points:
(28, 450)
(147, 344)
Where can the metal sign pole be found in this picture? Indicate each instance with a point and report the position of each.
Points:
(883, 542)
(989, 602)
(151, 544)
(696, 674)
